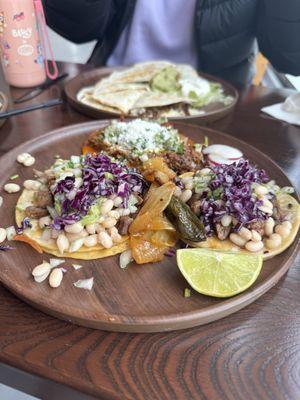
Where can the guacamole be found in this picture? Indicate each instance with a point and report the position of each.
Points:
(166, 80)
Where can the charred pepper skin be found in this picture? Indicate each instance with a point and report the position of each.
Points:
(188, 226)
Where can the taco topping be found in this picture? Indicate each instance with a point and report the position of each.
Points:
(82, 203)
(238, 202)
(139, 141)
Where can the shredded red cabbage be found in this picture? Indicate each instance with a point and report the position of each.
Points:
(230, 192)
(5, 247)
(24, 224)
(102, 176)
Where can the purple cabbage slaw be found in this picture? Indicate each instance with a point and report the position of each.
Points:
(230, 192)
(102, 176)
(25, 223)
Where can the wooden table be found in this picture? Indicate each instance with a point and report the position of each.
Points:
(253, 354)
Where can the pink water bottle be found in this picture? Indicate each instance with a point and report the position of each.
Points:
(22, 40)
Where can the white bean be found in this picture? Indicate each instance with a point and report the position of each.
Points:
(226, 220)
(44, 221)
(118, 201)
(10, 233)
(273, 241)
(267, 203)
(62, 243)
(91, 241)
(22, 157)
(114, 214)
(74, 228)
(287, 224)
(76, 245)
(260, 190)
(41, 269)
(41, 278)
(74, 236)
(116, 237)
(29, 161)
(245, 233)
(256, 237)
(186, 179)
(283, 231)
(189, 185)
(11, 188)
(269, 226)
(254, 246)
(177, 191)
(31, 184)
(105, 240)
(186, 195)
(1, 201)
(107, 206)
(55, 277)
(266, 210)
(91, 228)
(2, 234)
(109, 222)
(125, 258)
(124, 211)
(204, 171)
(99, 228)
(237, 239)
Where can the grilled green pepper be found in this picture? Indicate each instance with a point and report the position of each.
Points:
(188, 226)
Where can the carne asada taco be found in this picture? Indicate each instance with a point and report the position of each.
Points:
(139, 141)
(81, 207)
(239, 209)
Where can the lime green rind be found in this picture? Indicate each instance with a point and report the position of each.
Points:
(215, 280)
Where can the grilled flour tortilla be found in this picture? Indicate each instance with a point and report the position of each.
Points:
(82, 193)
(157, 88)
(240, 210)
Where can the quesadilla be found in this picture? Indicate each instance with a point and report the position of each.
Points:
(157, 88)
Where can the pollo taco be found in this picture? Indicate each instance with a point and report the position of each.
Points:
(81, 207)
(234, 207)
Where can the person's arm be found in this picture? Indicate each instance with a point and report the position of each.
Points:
(278, 33)
(79, 20)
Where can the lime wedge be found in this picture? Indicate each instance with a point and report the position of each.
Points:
(216, 273)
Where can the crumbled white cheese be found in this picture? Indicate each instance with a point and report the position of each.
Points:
(141, 137)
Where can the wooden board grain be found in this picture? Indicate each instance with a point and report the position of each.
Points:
(212, 112)
(145, 298)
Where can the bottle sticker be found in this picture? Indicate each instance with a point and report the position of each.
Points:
(25, 50)
(19, 17)
(24, 33)
(2, 23)
(39, 60)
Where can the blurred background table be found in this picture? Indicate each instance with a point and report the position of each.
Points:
(253, 354)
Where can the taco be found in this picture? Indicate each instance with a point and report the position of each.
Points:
(238, 208)
(80, 208)
(139, 141)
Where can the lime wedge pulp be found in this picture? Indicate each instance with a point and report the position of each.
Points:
(219, 274)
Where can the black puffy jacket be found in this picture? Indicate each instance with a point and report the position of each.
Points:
(227, 31)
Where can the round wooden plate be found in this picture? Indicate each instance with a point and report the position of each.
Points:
(146, 298)
(212, 112)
